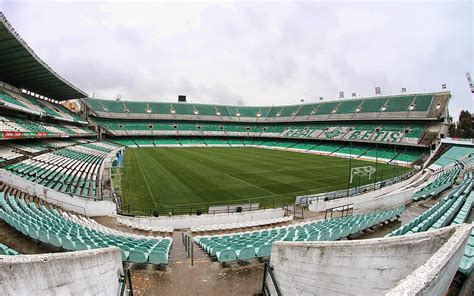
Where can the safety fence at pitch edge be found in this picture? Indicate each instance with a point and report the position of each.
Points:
(205, 209)
(320, 197)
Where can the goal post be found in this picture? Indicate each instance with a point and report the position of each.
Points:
(362, 171)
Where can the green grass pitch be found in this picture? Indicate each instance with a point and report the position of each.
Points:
(165, 178)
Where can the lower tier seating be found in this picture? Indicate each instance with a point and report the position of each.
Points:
(441, 213)
(252, 244)
(73, 170)
(453, 209)
(74, 233)
(467, 261)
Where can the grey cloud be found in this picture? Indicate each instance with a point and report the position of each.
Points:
(262, 53)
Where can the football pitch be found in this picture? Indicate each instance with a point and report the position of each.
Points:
(173, 178)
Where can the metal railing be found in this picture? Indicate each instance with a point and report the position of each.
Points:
(315, 198)
(269, 269)
(128, 210)
(125, 279)
(345, 210)
(188, 243)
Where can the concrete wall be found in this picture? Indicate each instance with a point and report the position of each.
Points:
(383, 202)
(180, 222)
(92, 272)
(424, 262)
(366, 202)
(435, 276)
(81, 205)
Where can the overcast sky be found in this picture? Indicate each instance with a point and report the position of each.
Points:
(263, 53)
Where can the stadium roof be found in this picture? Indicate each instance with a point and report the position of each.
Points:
(22, 68)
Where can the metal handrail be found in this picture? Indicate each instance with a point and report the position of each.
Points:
(123, 280)
(269, 269)
(315, 198)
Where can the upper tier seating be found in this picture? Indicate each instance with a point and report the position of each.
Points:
(401, 105)
(73, 170)
(74, 233)
(252, 244)
(24, 103)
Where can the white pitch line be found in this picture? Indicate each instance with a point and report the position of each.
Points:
(146, 181)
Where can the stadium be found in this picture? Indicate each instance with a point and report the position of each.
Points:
(350, 196)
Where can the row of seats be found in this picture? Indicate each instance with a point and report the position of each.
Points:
(252, 244)
(228, 226)
(15, 127)
(467, 260)
(453, 209)
(73, 233)
(73, 170)
(141, 226)
(437, 184)
(441, 213)
(13, 149)
(409, 133)
(468, 160)
(454, 154)
(4, 250)
(24, 103)
(398, 104)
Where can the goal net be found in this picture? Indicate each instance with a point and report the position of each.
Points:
(362, 171)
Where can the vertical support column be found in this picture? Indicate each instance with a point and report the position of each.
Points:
(192, 252)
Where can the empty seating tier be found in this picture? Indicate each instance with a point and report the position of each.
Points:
(437, 184)
(24, 103)
(404, 133)
(441, 213)
(408, 105)
(15, 128)
(74, 233)
(454, 154)
(252, 244)
(73, 170)
(453, 209)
